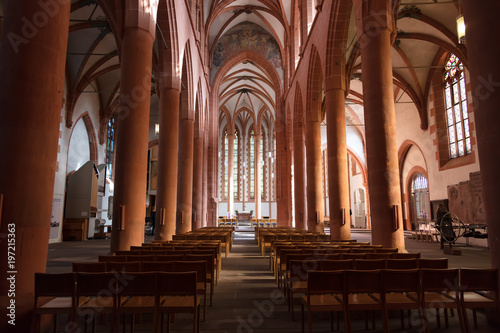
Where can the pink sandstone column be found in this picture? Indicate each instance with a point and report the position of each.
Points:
(314, 191)
(257, 167)
(185, 185)
(168, 142)
(132, 139)
(198, 182)
(375, 26)
(299, 176)
(32, 64)
(205, 183)
(483, 48)
(338, 173)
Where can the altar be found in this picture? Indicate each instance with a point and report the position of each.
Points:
(244, 216)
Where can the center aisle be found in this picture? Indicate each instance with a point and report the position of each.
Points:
(247, 298)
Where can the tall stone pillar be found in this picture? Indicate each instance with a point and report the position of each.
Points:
(257, 177)
(168, 143)
(205, 183)
(375, 26)
(132, 132)
(185, 174)
(198, 182)
(315, 207)
(482, 49)
(230, 174)
(31, 98)
(338, 173)
(299, 176)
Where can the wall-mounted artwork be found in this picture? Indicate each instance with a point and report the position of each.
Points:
(246, 36)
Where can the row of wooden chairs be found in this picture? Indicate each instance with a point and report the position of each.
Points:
(158, 293)
(201, 250)
(297, 268)
(343, 291)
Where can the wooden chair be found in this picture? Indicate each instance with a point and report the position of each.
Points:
(96, 294)
(200, 267)
(400, 291)
(54, 294)
(441, 263)
(130, 266)
(211, 273)
(324, 294)
(177, 294)
(137, 296)
(297, 278)
(369, 264)
(478, 289)
(401, 263)
(362, 289)
(353, 255)
(89, 267)
(439, 290)
(386, 250)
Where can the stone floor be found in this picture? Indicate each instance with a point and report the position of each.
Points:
(247, 299)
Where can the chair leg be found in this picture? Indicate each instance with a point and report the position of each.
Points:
(309, 319)
(302, 311)
(474, 316)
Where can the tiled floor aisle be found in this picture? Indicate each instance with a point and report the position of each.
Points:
(246, 298)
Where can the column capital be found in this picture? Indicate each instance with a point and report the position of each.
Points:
(374, 16)
(141, 15)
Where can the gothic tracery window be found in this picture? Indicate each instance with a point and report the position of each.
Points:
(456, 108)
(110, 146)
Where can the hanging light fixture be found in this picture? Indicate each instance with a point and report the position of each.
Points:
(461, 29)
(157, 129)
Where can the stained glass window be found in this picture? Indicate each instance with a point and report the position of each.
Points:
(456, 108)
(226, 162)
(110, 147)
(261, 170)
(252, 165)
(235, 167)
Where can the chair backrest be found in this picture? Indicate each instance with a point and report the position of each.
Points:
(127, 252)
(401, 263)
(330, 265)
(475, 279)
(378, 255)
(130, 266)
(386, 250)
(169, 257)
(362, 250)
(353, 255)
(363, 281)
(149, 257)
(117, 258)
(157, 266)
(152, 252)
(409, 255)
(369, 264)
(433, 263)
(325, 282)
(96, 284)
(89, 267)
(137, 284)
(207, 258)
(200, 267)
(54, 285)
(439, 280)
(176, 284)
(397, 280)
(176, 251)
